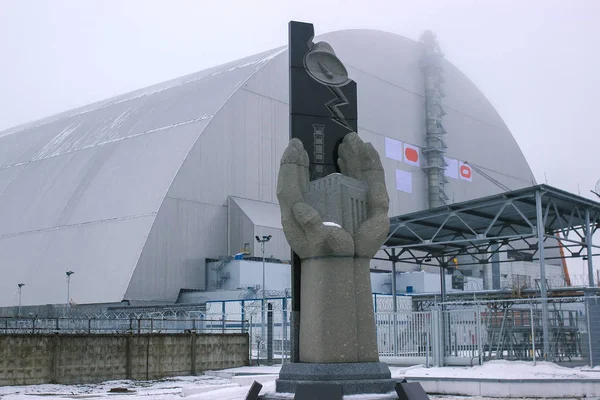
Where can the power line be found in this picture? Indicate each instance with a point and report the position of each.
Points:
(489, 178)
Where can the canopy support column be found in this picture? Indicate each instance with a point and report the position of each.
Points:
(543, 289)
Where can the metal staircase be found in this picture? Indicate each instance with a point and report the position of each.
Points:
(222, 276)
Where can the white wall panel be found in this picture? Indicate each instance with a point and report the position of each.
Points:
(238, 154)
(102, 255)
(400, 202)
(267, 82)
(8, 175)
(22, 147)
(241, 230)
(40, 194)
(389, 110)
(136, 175)
(389, 57)
(277, 247)
(245, 273)
(184, 235)
(277, 276)
(115, 180)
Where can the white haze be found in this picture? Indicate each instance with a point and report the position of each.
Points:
(536, 61)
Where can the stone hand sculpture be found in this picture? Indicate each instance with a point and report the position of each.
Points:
(336, 319)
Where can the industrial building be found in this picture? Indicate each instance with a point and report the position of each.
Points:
(139, 194)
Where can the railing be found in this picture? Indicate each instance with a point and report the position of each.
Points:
(14, 325)
(513, 330)
(464, 333)
(404, 334)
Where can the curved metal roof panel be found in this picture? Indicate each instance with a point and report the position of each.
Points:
(83, 188)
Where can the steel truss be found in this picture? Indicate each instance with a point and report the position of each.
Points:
(517, 221)
(443, 233)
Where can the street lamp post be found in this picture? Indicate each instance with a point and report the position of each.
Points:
(262, 242)
(69, 273)
(20, 285)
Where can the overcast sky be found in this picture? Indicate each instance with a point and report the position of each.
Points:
(536, 61)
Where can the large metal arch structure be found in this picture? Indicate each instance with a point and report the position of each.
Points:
(493, 224)
(133, 193)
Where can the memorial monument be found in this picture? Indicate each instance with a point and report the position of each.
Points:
(334, 224)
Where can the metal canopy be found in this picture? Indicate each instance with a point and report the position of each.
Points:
(522, 220)
(489, 225)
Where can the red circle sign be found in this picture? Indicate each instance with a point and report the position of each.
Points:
(465, 171)
(411, 154)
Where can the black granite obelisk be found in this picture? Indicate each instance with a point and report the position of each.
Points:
(323, 109)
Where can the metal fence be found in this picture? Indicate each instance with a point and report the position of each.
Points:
(456, 333)
(513, 330)
(216, 324)
(473, 332)
(251, 310)
(403, 334)
(452, 333)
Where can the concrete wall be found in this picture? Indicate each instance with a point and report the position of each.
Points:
(68, 359)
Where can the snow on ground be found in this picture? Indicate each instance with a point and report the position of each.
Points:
(233, 384)
(490, 370)
(254, 370)
(158, 389)
(501, 370)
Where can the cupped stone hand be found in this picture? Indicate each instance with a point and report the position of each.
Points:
(361, 161)
(303, 226)
(336, 321)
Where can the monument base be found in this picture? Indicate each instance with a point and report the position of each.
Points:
(355, 378)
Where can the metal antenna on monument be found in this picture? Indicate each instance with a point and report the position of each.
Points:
(596, 190)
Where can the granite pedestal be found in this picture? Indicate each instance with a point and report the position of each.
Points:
(355, 378)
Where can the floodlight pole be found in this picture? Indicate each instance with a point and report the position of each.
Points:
(543, 289)
(264, 295)
(69, 273)
(588, 242)
(443, 317)
(395, 305)
(443, 281)
(20, 285)
(262, 242)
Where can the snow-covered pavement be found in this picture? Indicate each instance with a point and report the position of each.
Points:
(233, 384)
(501, 370)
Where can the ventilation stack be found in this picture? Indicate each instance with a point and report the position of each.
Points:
(435, 148)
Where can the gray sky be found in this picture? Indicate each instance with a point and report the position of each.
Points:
(536, 61)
